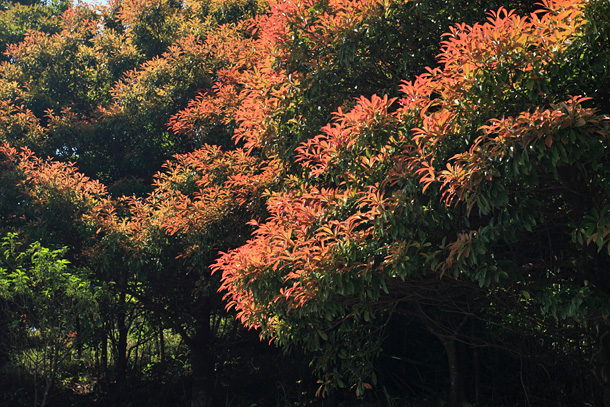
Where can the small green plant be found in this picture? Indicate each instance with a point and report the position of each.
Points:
(44, 297)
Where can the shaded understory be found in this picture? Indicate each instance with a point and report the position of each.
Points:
(412, 371)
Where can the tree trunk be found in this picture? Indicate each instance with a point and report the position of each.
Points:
(601, 363)
(477, 377)
(161, 343)
(455, 378)
(449, 342)
(50, 374)
(121, 364)
(104, 358)
(202, 361)
(79, 342)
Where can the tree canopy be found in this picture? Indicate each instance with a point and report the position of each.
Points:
(404, 194)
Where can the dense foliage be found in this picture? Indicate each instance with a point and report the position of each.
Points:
(410, 197)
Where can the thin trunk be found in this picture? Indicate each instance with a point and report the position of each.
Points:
(455, 379)
(161, 342)
(104, 358)
(36, 383)
(79, 341)
(202, 361)
(477, 377)
(121, 365)
(601, 363)
(50, 376)
(137, 360)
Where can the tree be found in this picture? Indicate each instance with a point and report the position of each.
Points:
(62, 96)
(298, 66)
(16, 19)
(465, 195)
(51, 202)
(101, 98)
(44, 298)
(151, 252)
(167, 241)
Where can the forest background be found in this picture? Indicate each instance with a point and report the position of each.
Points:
(292, 203)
